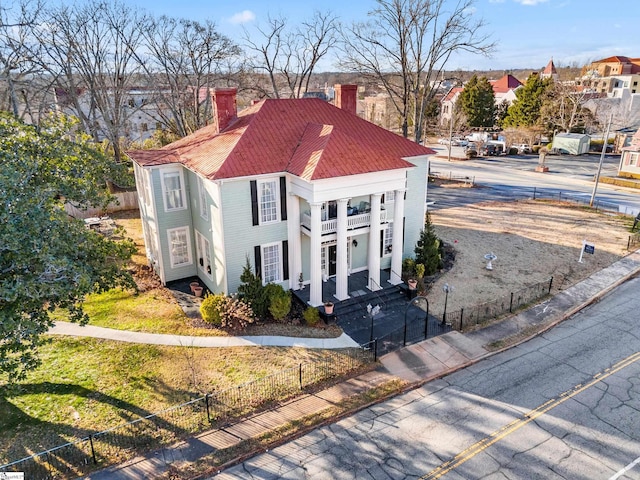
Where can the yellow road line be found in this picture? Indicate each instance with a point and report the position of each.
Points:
(528, 417)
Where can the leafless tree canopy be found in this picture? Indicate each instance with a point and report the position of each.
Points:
(183, 59)
(290, 56)
(405, 47)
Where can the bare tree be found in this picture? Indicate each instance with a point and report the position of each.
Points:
(18, 69)
(406, 46)
(563, 107)
(90, 53)
(183, 59)
(290, 57)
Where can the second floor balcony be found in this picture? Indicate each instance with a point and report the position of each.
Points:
(355, 221)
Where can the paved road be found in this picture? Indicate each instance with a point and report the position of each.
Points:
(512, 177)
(563, 405)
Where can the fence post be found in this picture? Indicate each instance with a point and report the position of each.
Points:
(206, 403)
(300, 374)
(534, 193)
(550, 283)
(511, 304)
(404, 335)
(629, 243)
(426, 324)
(560, 195)
(375, 349)
(93, 452)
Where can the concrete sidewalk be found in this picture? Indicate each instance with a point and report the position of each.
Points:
(73, 329)
(418, 364)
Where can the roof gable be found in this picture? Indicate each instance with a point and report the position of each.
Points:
(550, 69)
(506, 83)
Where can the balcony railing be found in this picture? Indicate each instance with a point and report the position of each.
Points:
(361, 220)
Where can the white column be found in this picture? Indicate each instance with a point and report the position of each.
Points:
(295, 242)
(398, 240)
(315, 293)
(374, 244)
(342, 279)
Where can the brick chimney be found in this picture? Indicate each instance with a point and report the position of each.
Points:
(346, 96)
(225, 109)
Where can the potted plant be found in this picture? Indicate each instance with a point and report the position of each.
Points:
(328, 308)
(413, 283)
(197, 291)
(193, 285)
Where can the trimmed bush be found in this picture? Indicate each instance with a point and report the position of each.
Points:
(226, 312)
(311, 316)
(210, 309)
(279, 301)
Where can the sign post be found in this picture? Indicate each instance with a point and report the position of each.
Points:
(587, 247)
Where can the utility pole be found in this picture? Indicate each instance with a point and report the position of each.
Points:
(604, 149)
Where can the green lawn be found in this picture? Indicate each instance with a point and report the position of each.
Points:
(87, 385)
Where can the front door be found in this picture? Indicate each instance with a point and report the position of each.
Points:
(332, 260)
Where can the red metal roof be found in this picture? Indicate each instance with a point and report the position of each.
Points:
(452, 93)
(506, 83)
(306, 137)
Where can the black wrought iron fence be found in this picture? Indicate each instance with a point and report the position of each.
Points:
(470, 316)
(428, 326)
(122, 442)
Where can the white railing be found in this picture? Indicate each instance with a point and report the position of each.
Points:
(354, 222)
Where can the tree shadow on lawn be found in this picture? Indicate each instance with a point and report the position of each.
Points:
(24, 435)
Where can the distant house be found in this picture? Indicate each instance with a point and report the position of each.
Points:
(304, 189)
(572, 143)
(504, 90)
(630, 158)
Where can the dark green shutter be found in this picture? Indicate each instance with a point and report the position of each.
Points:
(285, 260)
(257, 256)
(283, 198)
(254, 202)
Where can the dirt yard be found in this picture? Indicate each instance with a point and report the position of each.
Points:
(532, 241)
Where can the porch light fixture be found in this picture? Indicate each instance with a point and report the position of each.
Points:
(355, 242)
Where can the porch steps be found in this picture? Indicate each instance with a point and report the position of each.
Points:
(354, 319)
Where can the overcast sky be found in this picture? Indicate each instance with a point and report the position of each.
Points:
(527, 32)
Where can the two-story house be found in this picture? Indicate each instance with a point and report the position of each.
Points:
(304, 189)
(504, 90)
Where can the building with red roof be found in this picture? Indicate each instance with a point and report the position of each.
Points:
(503, 89)
(306, 190)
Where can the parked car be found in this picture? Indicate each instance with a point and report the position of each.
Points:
(461, 142)
(443, 141)
(523, 148)
(488, 149)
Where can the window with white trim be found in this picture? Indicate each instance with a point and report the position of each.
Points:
(268, 201)
(633, 159)
(387, 242)
(203, 251)
(271, 264)
(173, 190)
(202, 195)
(179, 247)
(390, 196)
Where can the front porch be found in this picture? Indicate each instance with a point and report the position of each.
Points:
(357, 287)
